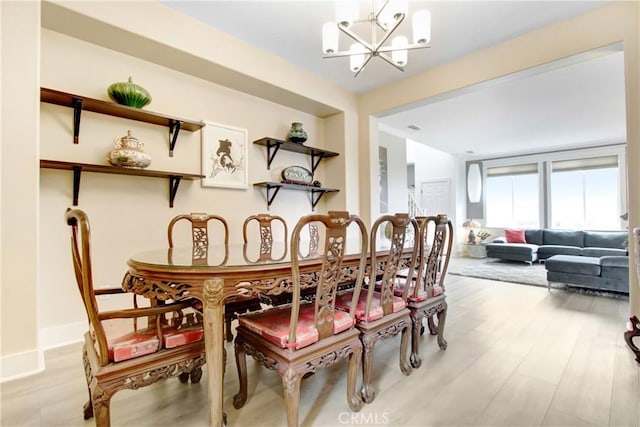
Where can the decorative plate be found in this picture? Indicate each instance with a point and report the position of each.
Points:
(297, 175)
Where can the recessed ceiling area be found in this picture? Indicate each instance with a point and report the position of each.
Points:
(574, 103)
(579, 102)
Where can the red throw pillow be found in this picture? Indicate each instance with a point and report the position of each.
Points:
(514, 236)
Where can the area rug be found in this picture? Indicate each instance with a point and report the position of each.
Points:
(501, 270)
(514, 272)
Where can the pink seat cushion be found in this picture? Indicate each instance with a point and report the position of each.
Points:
(274, 325)
(177, 337)
(422, 294)
(398, 289)
(343, 302)
(133, 344)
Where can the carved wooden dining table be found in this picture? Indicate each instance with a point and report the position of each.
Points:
(217, 274)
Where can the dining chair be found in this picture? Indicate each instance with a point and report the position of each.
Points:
(300, 338)
(380, 314)
(265, 225)
(200, 237)
(426, 296)
(156, 342)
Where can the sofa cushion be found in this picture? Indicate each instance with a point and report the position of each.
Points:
(562, 237)
(533, 236)
(574, 265)
(605, 239)
(512, 248)
(547, 251)
(599, 252)
(514, 236)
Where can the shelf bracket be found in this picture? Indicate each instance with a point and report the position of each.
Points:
(174, 182)
(271, 196)
(77, 173)
(77, 111)
(315, 161)
(174, 130)
(316, 195)
(270, 155)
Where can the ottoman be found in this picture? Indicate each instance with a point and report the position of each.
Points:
(573, 269)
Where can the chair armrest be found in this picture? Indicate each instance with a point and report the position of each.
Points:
(109, 291)
(144, 312)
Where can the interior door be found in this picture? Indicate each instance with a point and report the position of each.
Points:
(435, 196)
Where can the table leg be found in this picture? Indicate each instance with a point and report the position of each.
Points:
(213, 336)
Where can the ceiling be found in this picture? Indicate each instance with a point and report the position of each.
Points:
(576, 103)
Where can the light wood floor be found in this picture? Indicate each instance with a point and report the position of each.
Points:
(518, 356)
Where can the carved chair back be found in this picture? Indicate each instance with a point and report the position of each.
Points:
(335, 226)
(435, 242)
(265, 223)
(397, 229)
(199, 228)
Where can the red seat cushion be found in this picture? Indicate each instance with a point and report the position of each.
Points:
(133, 344)
(398, 289)
(177, 337)
(343, 302)
(274, 325)
(422, 294)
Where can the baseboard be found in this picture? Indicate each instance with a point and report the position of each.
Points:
(19, 365)
(62, 335)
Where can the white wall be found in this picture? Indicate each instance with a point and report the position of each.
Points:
(432, 164)
(130, 214)
(396, 172)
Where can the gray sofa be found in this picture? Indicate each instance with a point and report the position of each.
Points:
(586, 259)
(545, 243)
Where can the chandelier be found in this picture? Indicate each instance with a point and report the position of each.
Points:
(382, 22)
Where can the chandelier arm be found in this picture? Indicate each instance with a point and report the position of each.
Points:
(408, 47)
(389, 61)
(358, 39)
(381, 8)
(388, 33)
(364, 64)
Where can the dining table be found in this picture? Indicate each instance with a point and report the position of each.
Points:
(217, 274)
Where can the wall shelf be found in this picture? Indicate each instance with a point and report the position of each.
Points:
(79, 103)
(78, 168)
(273, 145)
(274, 187)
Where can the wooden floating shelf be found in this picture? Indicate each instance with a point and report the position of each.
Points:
(79, 103)
(78, 168)
(274, 187)
(273, 145)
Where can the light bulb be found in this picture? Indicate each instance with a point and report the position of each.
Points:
(422, 27)
(346, 12)
(329, 37)
(356, 60)
(399, 52)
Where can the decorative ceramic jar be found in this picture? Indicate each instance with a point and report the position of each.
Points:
(128, 153)
(129, 94)
(296, 133)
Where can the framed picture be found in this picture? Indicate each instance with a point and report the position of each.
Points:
(224, 156)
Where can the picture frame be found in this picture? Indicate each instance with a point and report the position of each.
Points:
(224, 156)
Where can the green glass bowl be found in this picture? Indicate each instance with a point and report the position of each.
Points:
(129, 94)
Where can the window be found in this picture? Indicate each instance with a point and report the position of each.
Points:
(512, 196)
(585, 194)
